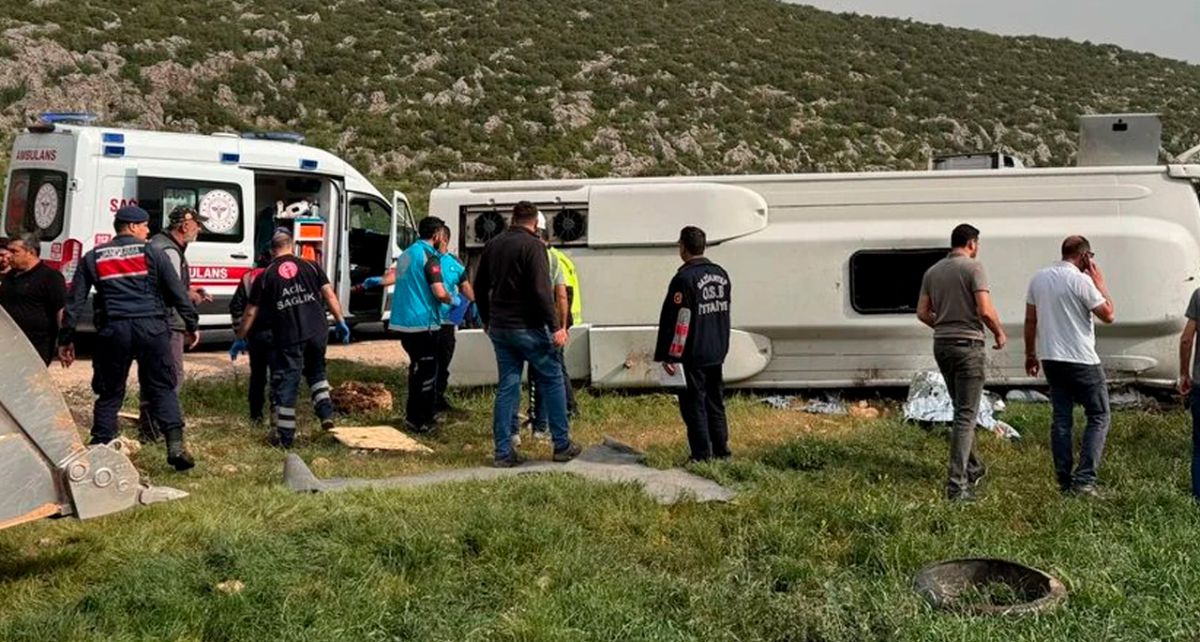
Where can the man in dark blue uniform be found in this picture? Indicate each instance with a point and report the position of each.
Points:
(136, 290)
(693, 330)
(289, 298)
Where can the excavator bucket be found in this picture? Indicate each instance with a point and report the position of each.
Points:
(45, 470)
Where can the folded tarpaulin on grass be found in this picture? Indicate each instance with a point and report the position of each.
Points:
(611, 461)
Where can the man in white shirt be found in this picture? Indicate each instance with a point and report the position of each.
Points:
(1059, 330)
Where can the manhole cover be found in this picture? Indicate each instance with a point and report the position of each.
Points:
(989, 587)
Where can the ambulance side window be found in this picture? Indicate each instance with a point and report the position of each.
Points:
(36, 201)
(220, 202)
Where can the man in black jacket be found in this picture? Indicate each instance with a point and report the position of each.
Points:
(512, 289)
(693, 330)
(33, 294)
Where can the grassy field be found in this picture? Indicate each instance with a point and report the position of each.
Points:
(833, 519)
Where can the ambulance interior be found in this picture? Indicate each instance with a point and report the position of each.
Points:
(281, 201)
(302, 204)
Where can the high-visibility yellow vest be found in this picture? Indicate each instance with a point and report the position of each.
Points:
(572, 277)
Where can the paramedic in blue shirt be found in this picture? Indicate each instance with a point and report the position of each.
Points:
(416, 316)
(454, 279)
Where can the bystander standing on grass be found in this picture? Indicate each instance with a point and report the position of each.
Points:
(956, 302)
(33, 294)
(1059, 331)
(693, 331)
(516, 304)
(1187, 368)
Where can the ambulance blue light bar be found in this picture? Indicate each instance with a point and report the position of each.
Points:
(226, 157)
(308, 164)
(114, 150)
(113, 137)
(281, 137)
(68, 117)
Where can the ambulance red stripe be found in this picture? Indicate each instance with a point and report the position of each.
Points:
(216, 275)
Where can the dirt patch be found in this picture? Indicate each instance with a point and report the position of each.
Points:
(213, 361)
(357, 397)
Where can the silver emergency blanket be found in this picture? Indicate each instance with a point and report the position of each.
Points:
(610, 461)
(829, 406)
(929, 400)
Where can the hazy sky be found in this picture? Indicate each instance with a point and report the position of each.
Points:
(1168, 28)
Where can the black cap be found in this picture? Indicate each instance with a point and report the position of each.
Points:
(132, 214)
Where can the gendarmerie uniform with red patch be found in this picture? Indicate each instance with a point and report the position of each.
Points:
(136, 290)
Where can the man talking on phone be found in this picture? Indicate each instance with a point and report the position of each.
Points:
(1060, 332)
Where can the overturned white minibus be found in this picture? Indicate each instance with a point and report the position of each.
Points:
(826, 268)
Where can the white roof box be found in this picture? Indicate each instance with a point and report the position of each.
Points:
(1119, 139)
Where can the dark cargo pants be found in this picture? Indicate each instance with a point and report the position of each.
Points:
(119, 344)
(702, 404)
(287, 364)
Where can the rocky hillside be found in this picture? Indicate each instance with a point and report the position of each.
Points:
(414, 92)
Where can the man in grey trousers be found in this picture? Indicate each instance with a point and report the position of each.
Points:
(1058, 328)
(184, 225)
(956, 302)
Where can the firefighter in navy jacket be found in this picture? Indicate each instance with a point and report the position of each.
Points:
(693, 331)
(136, 290)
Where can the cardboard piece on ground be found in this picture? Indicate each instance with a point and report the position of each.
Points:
(378, 438)
(131, 417)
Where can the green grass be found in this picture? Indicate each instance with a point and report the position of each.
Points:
(833, 519)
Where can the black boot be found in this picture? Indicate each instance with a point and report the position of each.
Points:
(148, 432)
(177, 454)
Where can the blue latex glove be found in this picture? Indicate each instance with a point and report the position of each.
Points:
(237, 348)
(343, 332)
(458, 310)
(372, 282)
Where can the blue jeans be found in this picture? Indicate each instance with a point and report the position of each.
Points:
(514, 348)
(1070, 384)
(1196, 441)
(537, 405)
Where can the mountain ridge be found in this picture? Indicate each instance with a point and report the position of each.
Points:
(416, 93)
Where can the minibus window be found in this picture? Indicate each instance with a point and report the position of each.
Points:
(37, 201)
(889, 281)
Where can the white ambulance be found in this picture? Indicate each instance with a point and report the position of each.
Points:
(67, 177)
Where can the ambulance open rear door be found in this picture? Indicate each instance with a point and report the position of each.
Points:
(403, 234)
